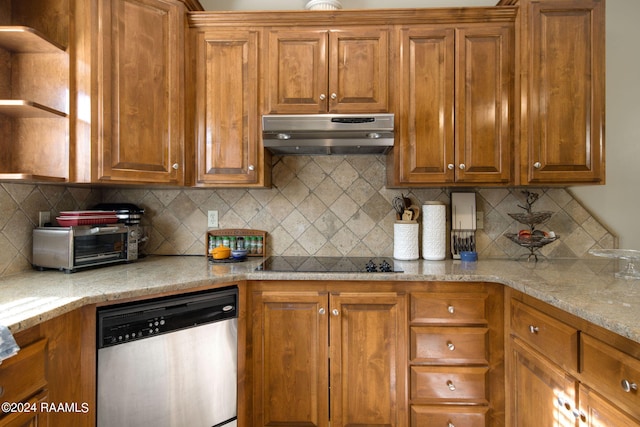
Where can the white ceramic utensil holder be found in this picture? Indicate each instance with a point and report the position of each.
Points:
(434, 230)
(405, 240)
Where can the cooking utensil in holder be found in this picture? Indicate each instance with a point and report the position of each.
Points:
(463, 223)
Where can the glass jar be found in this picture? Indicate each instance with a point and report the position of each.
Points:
(259, 246)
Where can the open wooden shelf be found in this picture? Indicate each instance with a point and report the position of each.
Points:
(18, 176)
(20, 39)
(21, 108)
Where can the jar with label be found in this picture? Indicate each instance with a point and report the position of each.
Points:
(240, 242)
(252, 245)
(259, 245)
(225, 241)
(232, 243)
(218, 241)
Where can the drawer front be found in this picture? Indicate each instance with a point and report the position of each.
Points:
(448, 416)
(444, 308)
(554, 339)
(432, 384)
(449, 345)
(23, 375)
(614, 374)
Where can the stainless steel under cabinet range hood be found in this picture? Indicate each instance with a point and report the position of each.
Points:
(328, 133)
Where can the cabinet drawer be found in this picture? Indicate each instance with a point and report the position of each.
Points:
(23, 375)
(613, 373)
(554, 339)
(444, 416)
(444, 345)
(449, 384)
(445, 308)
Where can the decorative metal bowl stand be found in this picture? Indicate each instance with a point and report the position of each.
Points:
(533, 242)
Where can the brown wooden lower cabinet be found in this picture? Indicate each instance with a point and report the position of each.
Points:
(379, 354)
(546, 387)
(324, 356)
(447, 416)
(48, 380)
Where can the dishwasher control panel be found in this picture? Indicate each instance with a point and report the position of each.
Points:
(133, 321)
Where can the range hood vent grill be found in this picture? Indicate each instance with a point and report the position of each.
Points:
(328, 133)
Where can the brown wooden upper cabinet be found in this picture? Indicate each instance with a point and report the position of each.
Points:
(315, 70)
(562, 88)
(138, 136)
(455, 104)
(228, 151)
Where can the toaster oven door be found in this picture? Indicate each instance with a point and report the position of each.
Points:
(99, 248)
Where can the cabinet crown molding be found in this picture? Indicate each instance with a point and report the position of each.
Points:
(355, 17)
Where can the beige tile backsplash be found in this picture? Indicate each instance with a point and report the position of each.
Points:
(318, 205)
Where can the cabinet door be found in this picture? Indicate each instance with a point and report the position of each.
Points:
(318, 71)
(296, 73)
(227, 108)
(426, 132)
(598, 412)
(358, 70)
(542, 394)
(290, 341)
(140, 128)
(563, 131)
(35, 416)
(368, 359)
(484, 69)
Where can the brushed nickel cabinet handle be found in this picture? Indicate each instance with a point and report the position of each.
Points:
(451, 309)
(175, 166)
(537, 165)
(323, 97)
(322, 310)
(534, 329)
(451, 385)
(335, 312)
(450, 346)
(628, 386)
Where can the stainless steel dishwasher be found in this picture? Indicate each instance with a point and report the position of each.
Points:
(169, 361)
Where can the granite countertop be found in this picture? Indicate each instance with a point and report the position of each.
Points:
(584, 287)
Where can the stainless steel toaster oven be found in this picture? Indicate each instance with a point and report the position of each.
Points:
(84, 246)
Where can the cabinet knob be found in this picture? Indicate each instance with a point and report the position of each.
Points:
(334, 96)
(323, 97)
(252, 168)
(175, 166)
(462, 166)
(450, 346)
(628, 386)
(451, 385)
(537, 165)
(534, 329)
(450, 424)
(335, 312)
(451, 309)
(322, 310)
(450, 166)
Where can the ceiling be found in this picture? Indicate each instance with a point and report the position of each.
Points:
(346, 4)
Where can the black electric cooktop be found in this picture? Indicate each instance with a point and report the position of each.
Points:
(310, 264)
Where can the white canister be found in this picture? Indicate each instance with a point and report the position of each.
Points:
(405, 240)
(434, 230)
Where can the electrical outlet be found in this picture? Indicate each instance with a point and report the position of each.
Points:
(44, 217)
(212, 219)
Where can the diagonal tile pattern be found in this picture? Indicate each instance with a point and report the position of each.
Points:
(318, 205)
